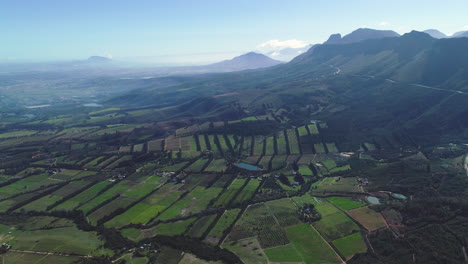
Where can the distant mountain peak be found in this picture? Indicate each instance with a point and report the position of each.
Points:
(460, 34)
(99, 59)
(250, 60)
(435, 33)
(361, 34)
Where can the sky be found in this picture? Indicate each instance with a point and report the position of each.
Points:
(192, 31)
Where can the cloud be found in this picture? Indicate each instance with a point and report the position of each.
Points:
(275, 44)
(465, 27)
(384, 24)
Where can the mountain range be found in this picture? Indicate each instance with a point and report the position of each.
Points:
(413, 85)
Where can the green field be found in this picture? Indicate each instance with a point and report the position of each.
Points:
(195, 202)
(270, 146)
(259, 142)
(281, 143)
(197, 166)
(224, 222)
(319, 148)
(351, 245)
(332, 185)
(19, 133)
(286, 253)
(27, 258)
(302, 131)
(336, 225)
(201, 225)
(217, 165)
(308, 243)
(285, 211)
(249, 118)
(332, 147)
(258, 220)
(313, 129)
(41, 234)
(344, 203)
(26, 185)
(305, 170)
(247, 192)
(82, 197)
(249, 250)
(293, 142)
(229, 193)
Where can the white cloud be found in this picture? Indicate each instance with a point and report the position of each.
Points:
(275, 44)
(275, 54)
(384, 24)
(465, 27)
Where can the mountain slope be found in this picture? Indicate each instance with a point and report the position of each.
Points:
(415, 57)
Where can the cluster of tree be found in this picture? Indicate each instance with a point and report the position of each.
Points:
(202, 250)
(248, 128)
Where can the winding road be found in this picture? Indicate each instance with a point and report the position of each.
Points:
(338, 71)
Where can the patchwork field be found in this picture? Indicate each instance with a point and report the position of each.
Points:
(368, 218)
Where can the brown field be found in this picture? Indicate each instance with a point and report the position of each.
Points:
(368, 218)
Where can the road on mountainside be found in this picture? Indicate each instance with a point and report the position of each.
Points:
(338, 71)
(466, 164)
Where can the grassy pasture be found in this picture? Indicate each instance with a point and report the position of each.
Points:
(319, 148)
(197, 166)
(27, 184)
(248, 250)
(344, 203)
(335, 226)
(217, 165)
(265, 162)
(286, 253)
(330, 185)
(293, 141)
(270, 146)
(313, 129)
(247, 192)
(229, 194)
(305, 170)
(36, 234)
(278, 162)
(259, 142)
(302, 131)
(281, 143)
(19, 133)
(310, 245)
(155, 145)
(332, 147)
(351, 245)
(224, 222)
(249, 118)
(149, 208)
(201, 225)
(196, 201)
(285, 211)
(257, 220)
(27, 258)
(169, 229)
(82, 197)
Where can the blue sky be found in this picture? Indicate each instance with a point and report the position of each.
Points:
(37, 30)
